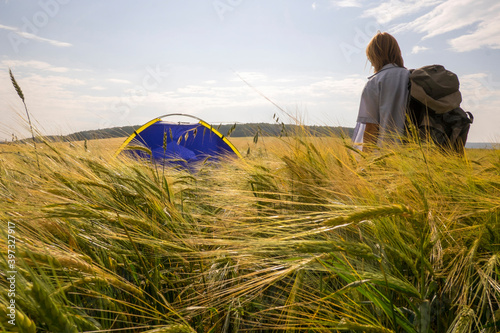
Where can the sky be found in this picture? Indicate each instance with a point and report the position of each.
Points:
(97, 64)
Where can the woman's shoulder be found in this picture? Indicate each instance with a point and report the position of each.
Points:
(389, 70)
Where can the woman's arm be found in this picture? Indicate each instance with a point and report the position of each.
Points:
(370, 135)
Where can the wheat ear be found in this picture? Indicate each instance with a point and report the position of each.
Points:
(22, 323)
(21, 95)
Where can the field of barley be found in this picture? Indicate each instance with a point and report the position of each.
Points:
(303, 234)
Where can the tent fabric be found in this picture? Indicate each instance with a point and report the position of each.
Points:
(179, 143)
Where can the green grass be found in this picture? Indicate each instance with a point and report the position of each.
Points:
(304, 234)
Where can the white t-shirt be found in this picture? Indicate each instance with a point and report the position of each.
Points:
(383, 102)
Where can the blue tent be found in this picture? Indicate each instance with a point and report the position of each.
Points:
(178, 142)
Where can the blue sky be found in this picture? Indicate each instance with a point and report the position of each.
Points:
(96, 64)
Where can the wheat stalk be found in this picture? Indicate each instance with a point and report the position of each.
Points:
(53, 314)
(21, 95)
(22, 322)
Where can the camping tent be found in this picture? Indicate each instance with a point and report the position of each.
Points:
(182, 143)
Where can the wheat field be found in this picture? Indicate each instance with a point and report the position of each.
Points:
(304, 234)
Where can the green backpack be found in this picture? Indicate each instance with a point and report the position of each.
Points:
(434, 108)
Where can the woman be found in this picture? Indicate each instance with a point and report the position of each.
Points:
(382, 111)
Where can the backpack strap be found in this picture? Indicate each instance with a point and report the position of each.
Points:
(470, 116)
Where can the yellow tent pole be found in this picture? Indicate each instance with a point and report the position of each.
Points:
(222, 137)
(133, 135)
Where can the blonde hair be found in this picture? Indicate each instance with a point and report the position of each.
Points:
(383, 49)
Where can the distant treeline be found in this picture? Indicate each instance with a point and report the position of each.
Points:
(264, 129)
(230, 130)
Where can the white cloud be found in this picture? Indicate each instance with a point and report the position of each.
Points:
(328, 86)
(6, 27)
(26, 35)
(55, 82)
(314, 5)
(478, 88)
(310, 90)
(481, 95)
(393, 9)
(98, 88)
(480, 16)
(232, 100)
(34, 64)
(52, 100)
(453, 15)
(62, 103)
(417, 49)
(487, 34)
(346, 3)
(120, 81)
